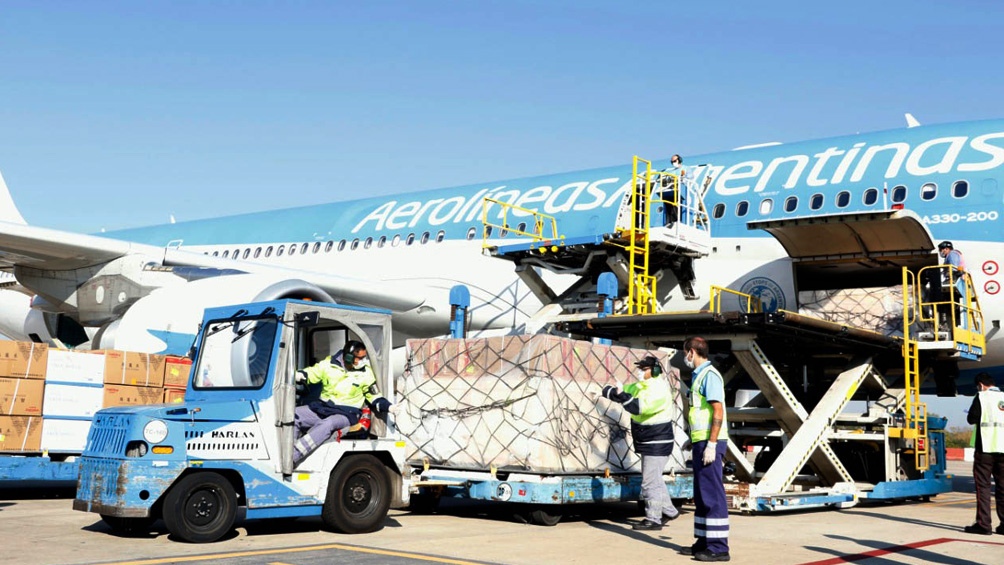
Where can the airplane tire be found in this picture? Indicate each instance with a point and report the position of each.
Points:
(545, 517)
(200, 508)
(358, 496)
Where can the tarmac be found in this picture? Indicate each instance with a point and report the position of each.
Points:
(41, 527)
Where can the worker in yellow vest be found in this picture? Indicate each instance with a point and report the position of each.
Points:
(652, 404)
(987, 414)
(708, 438)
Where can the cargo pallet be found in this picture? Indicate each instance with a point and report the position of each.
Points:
(542, 498)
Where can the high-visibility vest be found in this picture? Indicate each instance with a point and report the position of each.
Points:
(701, 412)
(991, 422)
(347, 388)
(655, 401)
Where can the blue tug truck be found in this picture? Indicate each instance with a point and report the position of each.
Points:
(229, 446)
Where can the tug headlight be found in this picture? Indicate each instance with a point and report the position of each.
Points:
(155, 431)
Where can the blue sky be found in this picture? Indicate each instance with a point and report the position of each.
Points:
(119, 114)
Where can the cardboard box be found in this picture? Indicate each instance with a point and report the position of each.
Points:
(176, 372)
(23, 359)
(134, 369)
(174, 395)
(20, 433)
(73, 401)
(60, 434)
(126, 395)
(76, 367)
(21, 397)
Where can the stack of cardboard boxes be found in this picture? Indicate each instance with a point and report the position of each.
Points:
(48, 397)
(22, 370)
(176, 379)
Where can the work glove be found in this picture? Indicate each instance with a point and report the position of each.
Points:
(593, 394)
(301, 377)
(394, 409)
(709, 452)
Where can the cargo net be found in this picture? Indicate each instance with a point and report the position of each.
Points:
(524, 403)
(879, 309)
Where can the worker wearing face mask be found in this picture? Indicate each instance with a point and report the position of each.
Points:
(651, 403)
(708, 437)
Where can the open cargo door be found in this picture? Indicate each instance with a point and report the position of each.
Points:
(852, 250)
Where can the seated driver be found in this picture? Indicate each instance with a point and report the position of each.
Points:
(348, 384)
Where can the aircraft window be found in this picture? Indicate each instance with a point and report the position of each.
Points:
(816, 202)
(317, 247)
(504, 231)
(425, 238)
(410, 239)
(226, 254)
(247, 252)
(960, 189)
(488, 231)
(870, 197)
(790, 204)
(766, 206)
(268, 251)
(718, 211)
(843, 199)
(928, 191)
(471, 233)
(216, 253)
(440, 236)
(742, 208)
(278, 252)
(368, 243)
(382, 241)
(303, 248)
(328, 246)
(354, 245)
(236, 254)
(257, 252)
(341, 245)
(292, 249)
(898, 194)
(396, 241)
(521, 227)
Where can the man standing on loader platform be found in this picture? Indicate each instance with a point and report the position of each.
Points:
(987, 414)
(348, 384)
(652, 405)
(708, 436)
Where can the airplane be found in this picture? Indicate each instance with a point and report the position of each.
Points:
(771, 211)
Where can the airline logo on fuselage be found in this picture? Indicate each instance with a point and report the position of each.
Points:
(830, 166)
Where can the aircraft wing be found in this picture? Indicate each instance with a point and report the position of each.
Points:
(53, 250)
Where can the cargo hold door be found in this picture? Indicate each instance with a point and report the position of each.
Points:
(852, 250)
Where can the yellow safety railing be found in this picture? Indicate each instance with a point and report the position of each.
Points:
(947, 300)
(541, 223)
(753, 303)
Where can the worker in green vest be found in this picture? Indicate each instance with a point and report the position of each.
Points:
(987, 415)
(708, 438)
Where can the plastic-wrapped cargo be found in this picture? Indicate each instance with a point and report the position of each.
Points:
(523, 403)
(879, 309)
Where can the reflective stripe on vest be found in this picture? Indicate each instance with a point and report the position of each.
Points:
(655, 401)
(701, 412)
(992, 421)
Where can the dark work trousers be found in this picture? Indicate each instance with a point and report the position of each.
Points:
(711, 511)
(985, 466)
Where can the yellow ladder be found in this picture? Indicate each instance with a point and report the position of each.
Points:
(915, 423)
(641, 286)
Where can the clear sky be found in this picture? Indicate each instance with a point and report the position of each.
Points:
(119, 114)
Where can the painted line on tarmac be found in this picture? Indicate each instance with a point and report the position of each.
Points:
(894, 549)
(277, 551)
